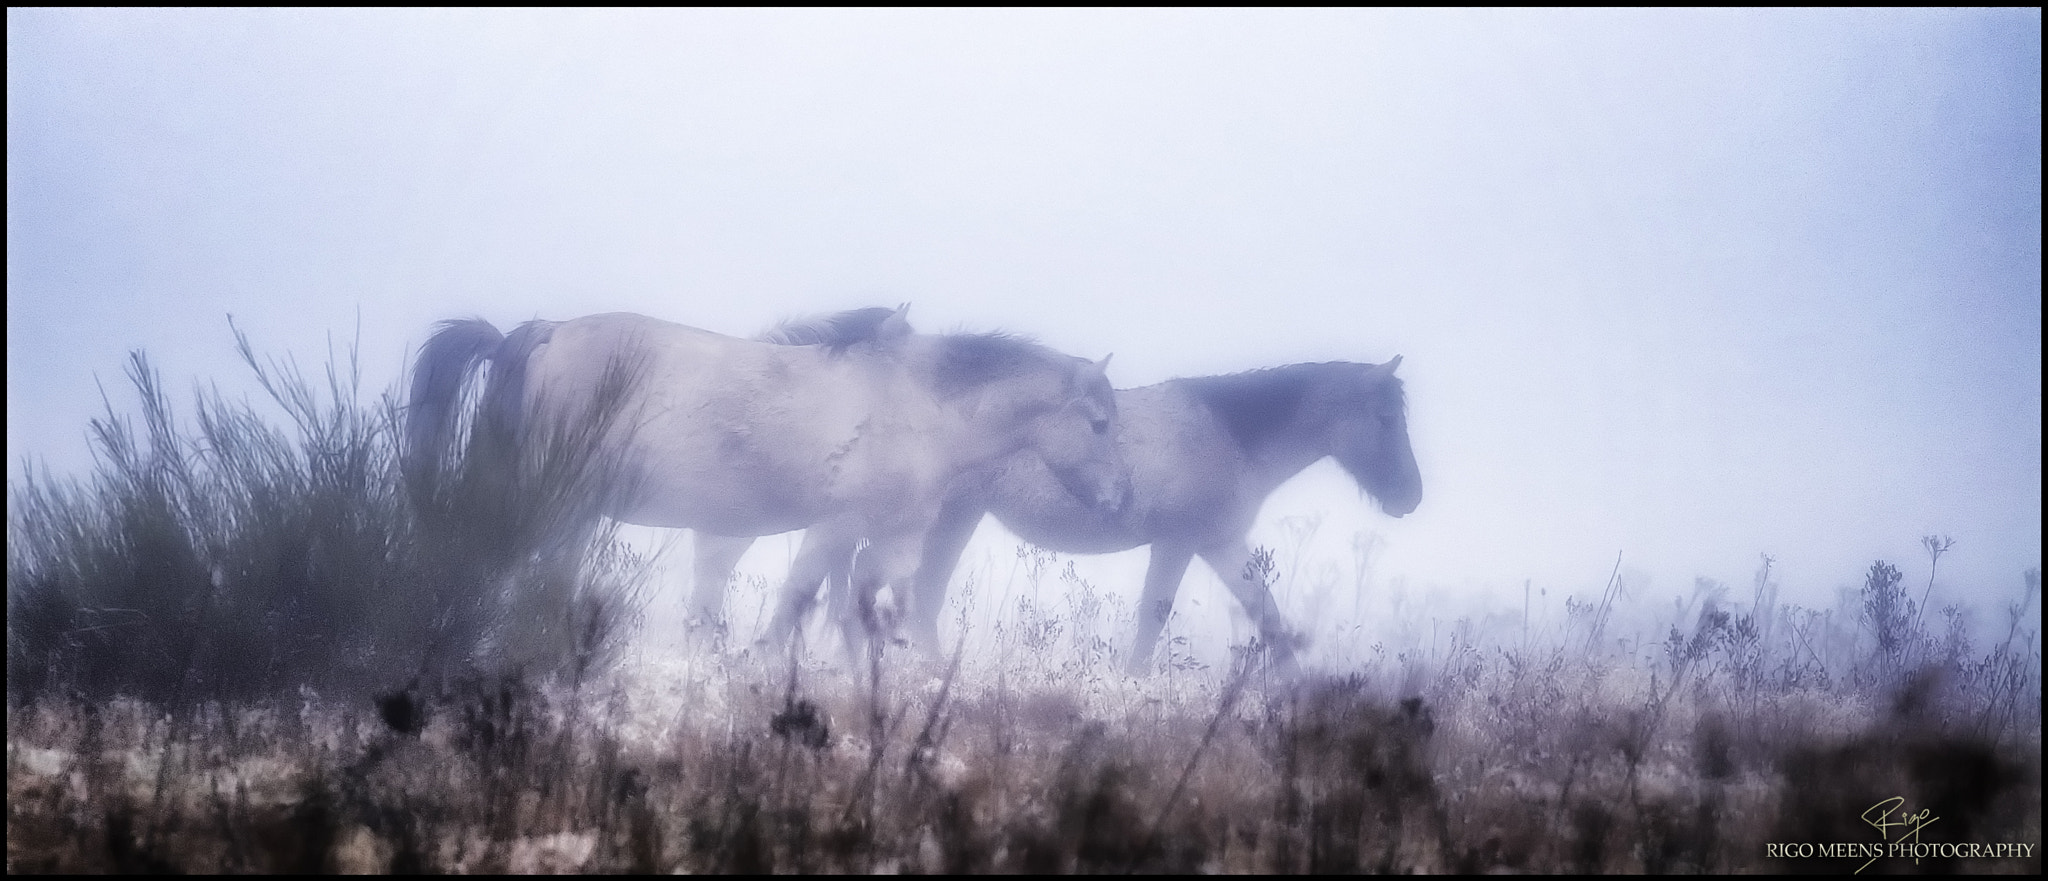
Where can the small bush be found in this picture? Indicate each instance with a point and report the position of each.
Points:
(244, 560)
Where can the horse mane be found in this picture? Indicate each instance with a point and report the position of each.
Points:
(962, 362)
(967, 361)
(837, 331)
(1254, 405)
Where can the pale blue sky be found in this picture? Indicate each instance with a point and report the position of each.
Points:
(1689, 285)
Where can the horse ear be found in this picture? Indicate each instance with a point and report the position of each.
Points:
(896, 326)
(1384, 371)
(1087, 371)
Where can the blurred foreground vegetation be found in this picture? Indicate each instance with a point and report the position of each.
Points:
(261, 649)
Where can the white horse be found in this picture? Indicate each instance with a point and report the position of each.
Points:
(1204, 453)
(857, 441)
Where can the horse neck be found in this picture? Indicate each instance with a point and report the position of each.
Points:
(1278, 417)
(982, 426)
(993, 427)
(1281, 455)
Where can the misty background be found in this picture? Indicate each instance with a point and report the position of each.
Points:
(1689, 286)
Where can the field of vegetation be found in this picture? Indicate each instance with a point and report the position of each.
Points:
(251, 648)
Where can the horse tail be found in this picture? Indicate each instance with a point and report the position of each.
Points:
(455, 350)
(501, 414)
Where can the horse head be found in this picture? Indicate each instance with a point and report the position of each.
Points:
(1077, 439)
(1369, 436)
(1019, 395)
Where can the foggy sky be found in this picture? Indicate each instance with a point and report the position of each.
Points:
(1687, 285)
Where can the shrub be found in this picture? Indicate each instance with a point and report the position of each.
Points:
(244, 559)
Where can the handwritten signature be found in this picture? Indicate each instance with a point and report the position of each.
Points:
(1880, 817)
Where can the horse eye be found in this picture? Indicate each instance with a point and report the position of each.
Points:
(1101, 426)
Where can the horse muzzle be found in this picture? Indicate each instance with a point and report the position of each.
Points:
(1401, 506)
(1115, 498)
(1105, 495)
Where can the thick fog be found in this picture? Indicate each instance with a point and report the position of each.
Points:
(1686, 286)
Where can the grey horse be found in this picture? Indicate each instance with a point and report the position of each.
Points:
(857, 442)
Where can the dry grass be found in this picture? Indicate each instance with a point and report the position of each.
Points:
(713, 764)
(247, 652)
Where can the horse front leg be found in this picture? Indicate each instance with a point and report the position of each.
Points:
(1162, 582)
(885, 562)
(943, 544)
(823, 547)
(1232, 562)
(716, 558)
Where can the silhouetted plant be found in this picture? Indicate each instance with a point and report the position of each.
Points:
(1889, 615)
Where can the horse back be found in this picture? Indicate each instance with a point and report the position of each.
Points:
(1185, 482)
(730, 434)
